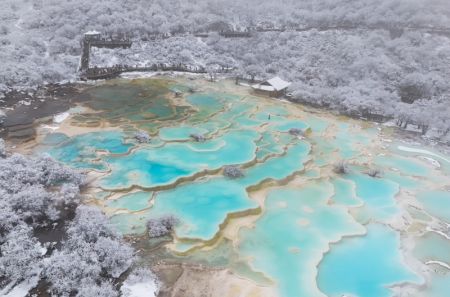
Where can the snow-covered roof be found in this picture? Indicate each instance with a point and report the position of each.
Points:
(92, 33)
(277, 83)
(273, 84)
(263, 87)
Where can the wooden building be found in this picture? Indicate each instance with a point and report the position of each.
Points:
(274, 87)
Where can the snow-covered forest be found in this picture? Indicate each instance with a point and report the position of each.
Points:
(362, 57)
(48, 241)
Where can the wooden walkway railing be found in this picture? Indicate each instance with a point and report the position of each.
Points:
(114, 71)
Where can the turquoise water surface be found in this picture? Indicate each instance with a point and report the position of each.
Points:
(436, 203)
(308, 230)
(288, 241)
(364, 266)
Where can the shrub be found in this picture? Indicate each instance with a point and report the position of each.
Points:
(142, 137)
(341, 167)
(93, 253)
(33, 191)
(232, 172)
(198, 137)
(296, 132)
(161, 226)
(375, 172)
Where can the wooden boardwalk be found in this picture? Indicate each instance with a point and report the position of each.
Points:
(96, 73)
(97, 40)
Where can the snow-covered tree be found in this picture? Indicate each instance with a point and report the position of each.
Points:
(161, 226)
(92, 255)
(96, 251)
(89, 289)
(20, 254)
(38, 187)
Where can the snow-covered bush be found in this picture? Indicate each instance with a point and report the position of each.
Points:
(18, 170)
(96, 251)
(8, 218)
(296, 132)
(375, 172)
(197, 137)
(89, 289)
(20, 254)
(88, 225)
(161, 226)
(33, 192)
(142, 137)
(65, 270)
(341, 167)
(232, 172)
(2, 148)
(413, 87)
(38, 187)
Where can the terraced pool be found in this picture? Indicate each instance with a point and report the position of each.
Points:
(290, 217)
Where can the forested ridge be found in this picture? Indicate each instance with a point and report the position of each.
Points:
(359, 57)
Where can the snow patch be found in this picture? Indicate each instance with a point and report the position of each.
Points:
(20, 290)
(136, 74)
(147, 289)
(390, 124)
(141, 283)
(438, 263)
(51, 128)
(60, 117)
(92, 32)
(421, 151)
(431, 161)
(23, 102)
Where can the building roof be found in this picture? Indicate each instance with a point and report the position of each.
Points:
(278, 83)
(273, 84)
(92, 33)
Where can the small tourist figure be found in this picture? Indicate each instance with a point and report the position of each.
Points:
(268, 117)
